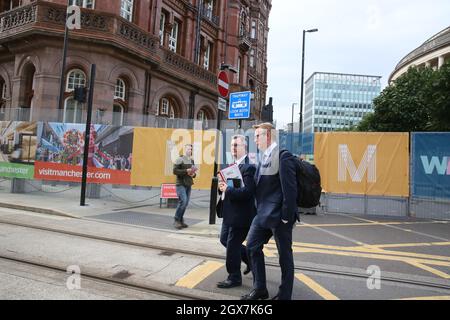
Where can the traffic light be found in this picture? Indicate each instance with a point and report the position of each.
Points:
(79, 94)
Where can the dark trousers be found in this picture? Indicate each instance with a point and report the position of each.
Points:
(232, 239)
(257, 238)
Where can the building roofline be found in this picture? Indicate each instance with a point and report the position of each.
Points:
(343, 74)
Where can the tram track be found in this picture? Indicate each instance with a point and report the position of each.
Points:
(156, 290)
(354, 275)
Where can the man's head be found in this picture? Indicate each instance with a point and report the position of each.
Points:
(188, 150)
(265, 135)
(238, 146)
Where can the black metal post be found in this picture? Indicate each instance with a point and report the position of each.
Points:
(300, 124)
(63, 70)
(215, 180)
(87, 136)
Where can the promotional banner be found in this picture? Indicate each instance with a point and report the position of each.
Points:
(155, 151)
(17, 149)
(59, 154)
(431, 165)
(363, 163)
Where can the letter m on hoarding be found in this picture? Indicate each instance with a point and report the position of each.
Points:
(368, 163)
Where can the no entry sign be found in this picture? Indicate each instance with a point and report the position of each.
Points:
(222, 84)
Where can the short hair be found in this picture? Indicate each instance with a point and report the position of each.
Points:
(265, 125)
(241, 137)
(188, 145)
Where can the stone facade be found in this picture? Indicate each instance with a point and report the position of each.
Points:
(153, 57)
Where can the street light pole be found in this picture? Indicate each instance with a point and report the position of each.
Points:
(63, 64)
(292, 128)
(300, 125)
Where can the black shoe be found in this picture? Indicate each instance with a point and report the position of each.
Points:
(228, 284)
(248, 269)
(177, 224)
(256, 294)
(183, 225)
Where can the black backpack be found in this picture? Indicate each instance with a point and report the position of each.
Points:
(308, 183)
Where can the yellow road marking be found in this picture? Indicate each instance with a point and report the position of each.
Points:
(428, 298)
(367, 249)
(324, 293)
(269, 252)
(429, 269)
(417, 244)
(361, 224)
(198, 274)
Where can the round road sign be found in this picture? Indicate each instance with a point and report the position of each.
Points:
(222, 84)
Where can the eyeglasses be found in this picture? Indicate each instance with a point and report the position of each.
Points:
(236, 145)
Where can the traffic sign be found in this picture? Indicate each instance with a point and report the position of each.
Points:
(222, 104)
(223, 84)
(240, 105)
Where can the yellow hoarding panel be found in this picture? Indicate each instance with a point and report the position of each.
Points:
(363, 163)
(155, 150)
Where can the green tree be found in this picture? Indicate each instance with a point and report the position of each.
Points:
(419, 100)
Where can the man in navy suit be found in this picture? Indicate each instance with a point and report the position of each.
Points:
(237, 205)
(276, 213)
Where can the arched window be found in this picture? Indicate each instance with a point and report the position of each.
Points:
(2, 98)
(75, 78)
(165, 108)
(201, 115)
(73, 111)
(117, 115)
(2, 89)
(120, 90)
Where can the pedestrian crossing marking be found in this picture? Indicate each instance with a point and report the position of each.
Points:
(324, 293)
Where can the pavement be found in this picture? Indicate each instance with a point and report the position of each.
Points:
(402, 248)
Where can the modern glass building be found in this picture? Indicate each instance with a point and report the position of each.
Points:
(336, 101)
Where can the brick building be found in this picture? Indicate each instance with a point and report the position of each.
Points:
(158, 58)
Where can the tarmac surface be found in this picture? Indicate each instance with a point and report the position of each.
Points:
(337, 256)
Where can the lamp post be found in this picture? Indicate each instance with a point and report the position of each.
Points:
(300, 125)
(292, 128)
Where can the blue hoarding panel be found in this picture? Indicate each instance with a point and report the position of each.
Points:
(431, 165)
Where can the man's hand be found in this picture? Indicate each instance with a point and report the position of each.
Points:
(223, 186)
(190, 171)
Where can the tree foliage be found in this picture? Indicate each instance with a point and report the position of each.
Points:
(419, 100)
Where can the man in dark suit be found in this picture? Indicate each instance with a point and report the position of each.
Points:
(237, 205)
(276, 213)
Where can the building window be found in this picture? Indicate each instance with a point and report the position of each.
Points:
(242, 23)
(206, 56)
(252, 58)
(72, 111)
(253, 32)
(126, 9)
(76, 78)
(2, 89)
(238, 74)
(89, 4)
(162, 22)
(165, 108)
(117, 119)
(120, 89)
(173, 37)
(209, 7)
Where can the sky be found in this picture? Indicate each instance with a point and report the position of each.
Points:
(355, 36)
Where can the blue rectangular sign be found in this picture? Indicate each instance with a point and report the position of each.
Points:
(240, 105)
(431, 165)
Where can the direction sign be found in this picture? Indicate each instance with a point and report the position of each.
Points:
(223, 84)
(240, 105)
(222, 104)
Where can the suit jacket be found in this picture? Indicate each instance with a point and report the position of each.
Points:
(238, 207)
(276, 190)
